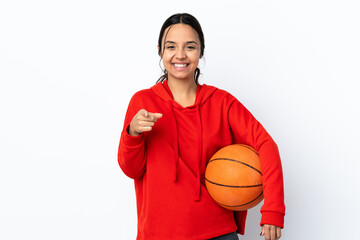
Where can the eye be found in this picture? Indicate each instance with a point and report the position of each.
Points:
(170, 47)
(191, 47)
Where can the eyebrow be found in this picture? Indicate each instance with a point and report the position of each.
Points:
(186, 42)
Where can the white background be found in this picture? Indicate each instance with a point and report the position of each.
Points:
(68, 69)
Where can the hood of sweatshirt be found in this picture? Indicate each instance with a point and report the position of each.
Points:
(203, 93)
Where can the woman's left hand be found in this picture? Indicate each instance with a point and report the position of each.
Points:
(270, 232)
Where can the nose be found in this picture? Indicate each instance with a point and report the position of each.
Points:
(180, 53)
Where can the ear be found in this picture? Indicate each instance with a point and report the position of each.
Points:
(158, 47)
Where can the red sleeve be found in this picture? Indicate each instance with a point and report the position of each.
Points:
(246, 129)
(131, 152)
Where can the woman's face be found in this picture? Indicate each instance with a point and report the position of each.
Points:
(181, 51)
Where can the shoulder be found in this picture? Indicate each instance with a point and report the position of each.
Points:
(221, 94)
(141, 95)
(225, 94)
(140, 99)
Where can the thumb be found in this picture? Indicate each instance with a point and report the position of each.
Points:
(262, 232)
(144, 113)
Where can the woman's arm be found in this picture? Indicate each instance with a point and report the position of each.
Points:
(247, 130)
(132, 152)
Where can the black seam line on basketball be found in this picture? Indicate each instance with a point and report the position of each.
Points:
(233, 186)
(250, 148)
(229, 159)
(241, 204)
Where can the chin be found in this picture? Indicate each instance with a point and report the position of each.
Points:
(182, 77)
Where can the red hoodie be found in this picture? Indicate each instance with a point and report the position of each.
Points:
(168, 164)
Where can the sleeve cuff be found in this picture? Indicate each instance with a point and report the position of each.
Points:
(272, 218)
(130, 140)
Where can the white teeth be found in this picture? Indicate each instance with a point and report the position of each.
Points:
(180, 65)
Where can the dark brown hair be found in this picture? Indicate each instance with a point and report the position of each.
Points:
(188, 19)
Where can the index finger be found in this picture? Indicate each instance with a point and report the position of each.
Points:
(154, 116)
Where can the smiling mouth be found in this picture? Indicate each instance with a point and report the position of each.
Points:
(180, 65)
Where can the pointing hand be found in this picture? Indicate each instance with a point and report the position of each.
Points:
(143, 121)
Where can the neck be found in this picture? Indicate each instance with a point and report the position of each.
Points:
(182, 88)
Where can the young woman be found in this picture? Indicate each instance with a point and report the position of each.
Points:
(170, 132)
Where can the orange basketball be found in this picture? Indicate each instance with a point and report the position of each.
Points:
(233, 177)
